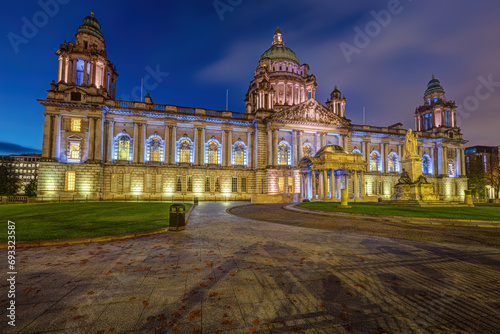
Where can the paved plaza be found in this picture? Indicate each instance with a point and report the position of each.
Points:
(241, 274)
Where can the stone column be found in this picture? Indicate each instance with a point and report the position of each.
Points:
(166, 145)
(229, 145)
(109, 153)
(94, 72)
(136, 142)
(173, 133)
(73, 71)
(294, 148)
(326, 189)
(91, 141)
(269, 146)
(249, 149)
(462, 162)
(98, 139)
(356, 185)
(142, 144)
(313, 179)
(321, 183)
(275, 147)
(458, 168)
(363, 187)
(114, 88)
(300, 145)
(47, 137)
(85, 72)
(196, 147)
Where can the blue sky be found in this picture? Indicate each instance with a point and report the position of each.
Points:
(210, 46)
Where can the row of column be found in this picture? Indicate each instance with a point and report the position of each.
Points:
(169, 142)
(67, 73)
(296, 145)
(420, 120)
(326, 184)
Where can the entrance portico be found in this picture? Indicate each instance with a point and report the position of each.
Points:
(329, 171)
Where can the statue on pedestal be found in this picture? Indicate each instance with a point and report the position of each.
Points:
(410, 147)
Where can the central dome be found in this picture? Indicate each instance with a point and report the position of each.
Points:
(91, 26)
(433, 86)
(278, 50)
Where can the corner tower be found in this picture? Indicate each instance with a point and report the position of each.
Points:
(436, 112)
(279, 79)
(83, 65)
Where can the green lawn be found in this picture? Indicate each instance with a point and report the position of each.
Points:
(80, 220)
(476, 213)
(487, 204)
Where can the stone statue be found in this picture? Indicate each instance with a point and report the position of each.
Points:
(410, 148)
(405, 178)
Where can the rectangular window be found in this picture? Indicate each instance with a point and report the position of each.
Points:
(243, 184)
(207, 184)
(234, 185)
(290, 185)
(178, 185)
(217, 184)
(281, 184)
(76, 124)
(75, 151)
(70, 181)
(189, 185)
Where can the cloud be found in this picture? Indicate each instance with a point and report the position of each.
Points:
(10, 148)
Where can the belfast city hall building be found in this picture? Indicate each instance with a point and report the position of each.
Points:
(287, 146)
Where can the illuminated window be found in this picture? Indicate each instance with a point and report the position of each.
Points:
(447, 118)
(243, 184)
(234, 185)
(207, 184)
(239, 156)
(76, 124)
(426, 165)
(189, 183)
(185, 151)
(375, 161)
(154, 149)
(306, 150)
(178, 184)
(213, 152)
(290, 185)
(426, 123)
(217, 184)
(124, 148)
(74, 151)
(70, 181)
(392, 162)
(451, 168)
(281, 184)
(283, 153)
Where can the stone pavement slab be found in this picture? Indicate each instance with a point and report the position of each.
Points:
(241, 275)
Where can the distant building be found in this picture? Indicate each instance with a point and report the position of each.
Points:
(25, 166)
(490, 158)
(97, 146)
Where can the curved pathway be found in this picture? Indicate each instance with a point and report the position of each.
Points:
(233, 274)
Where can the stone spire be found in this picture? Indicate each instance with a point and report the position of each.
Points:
(278, 38)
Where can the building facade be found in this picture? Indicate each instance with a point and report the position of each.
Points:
(25, 167)
(100, 147)
(488, 157)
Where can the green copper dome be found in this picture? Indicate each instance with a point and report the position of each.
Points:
(280, 53)
(278, 50)
(434, 86)
(331, 148)
(91, 26)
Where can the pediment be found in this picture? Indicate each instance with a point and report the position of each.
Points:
(74, 137)
(309, 112)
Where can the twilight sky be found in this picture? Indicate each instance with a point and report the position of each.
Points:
(209, 46)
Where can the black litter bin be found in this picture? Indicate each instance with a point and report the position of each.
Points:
(177, 217)
(195, 201)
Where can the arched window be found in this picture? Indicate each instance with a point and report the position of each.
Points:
(393, 162)
(123, 147)
(375, 161)
(154, 149)
(213, 152)
(284, 157)
(451, 168)
(185, 150)
(239, 154)
(306, 150)
(426, 164)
